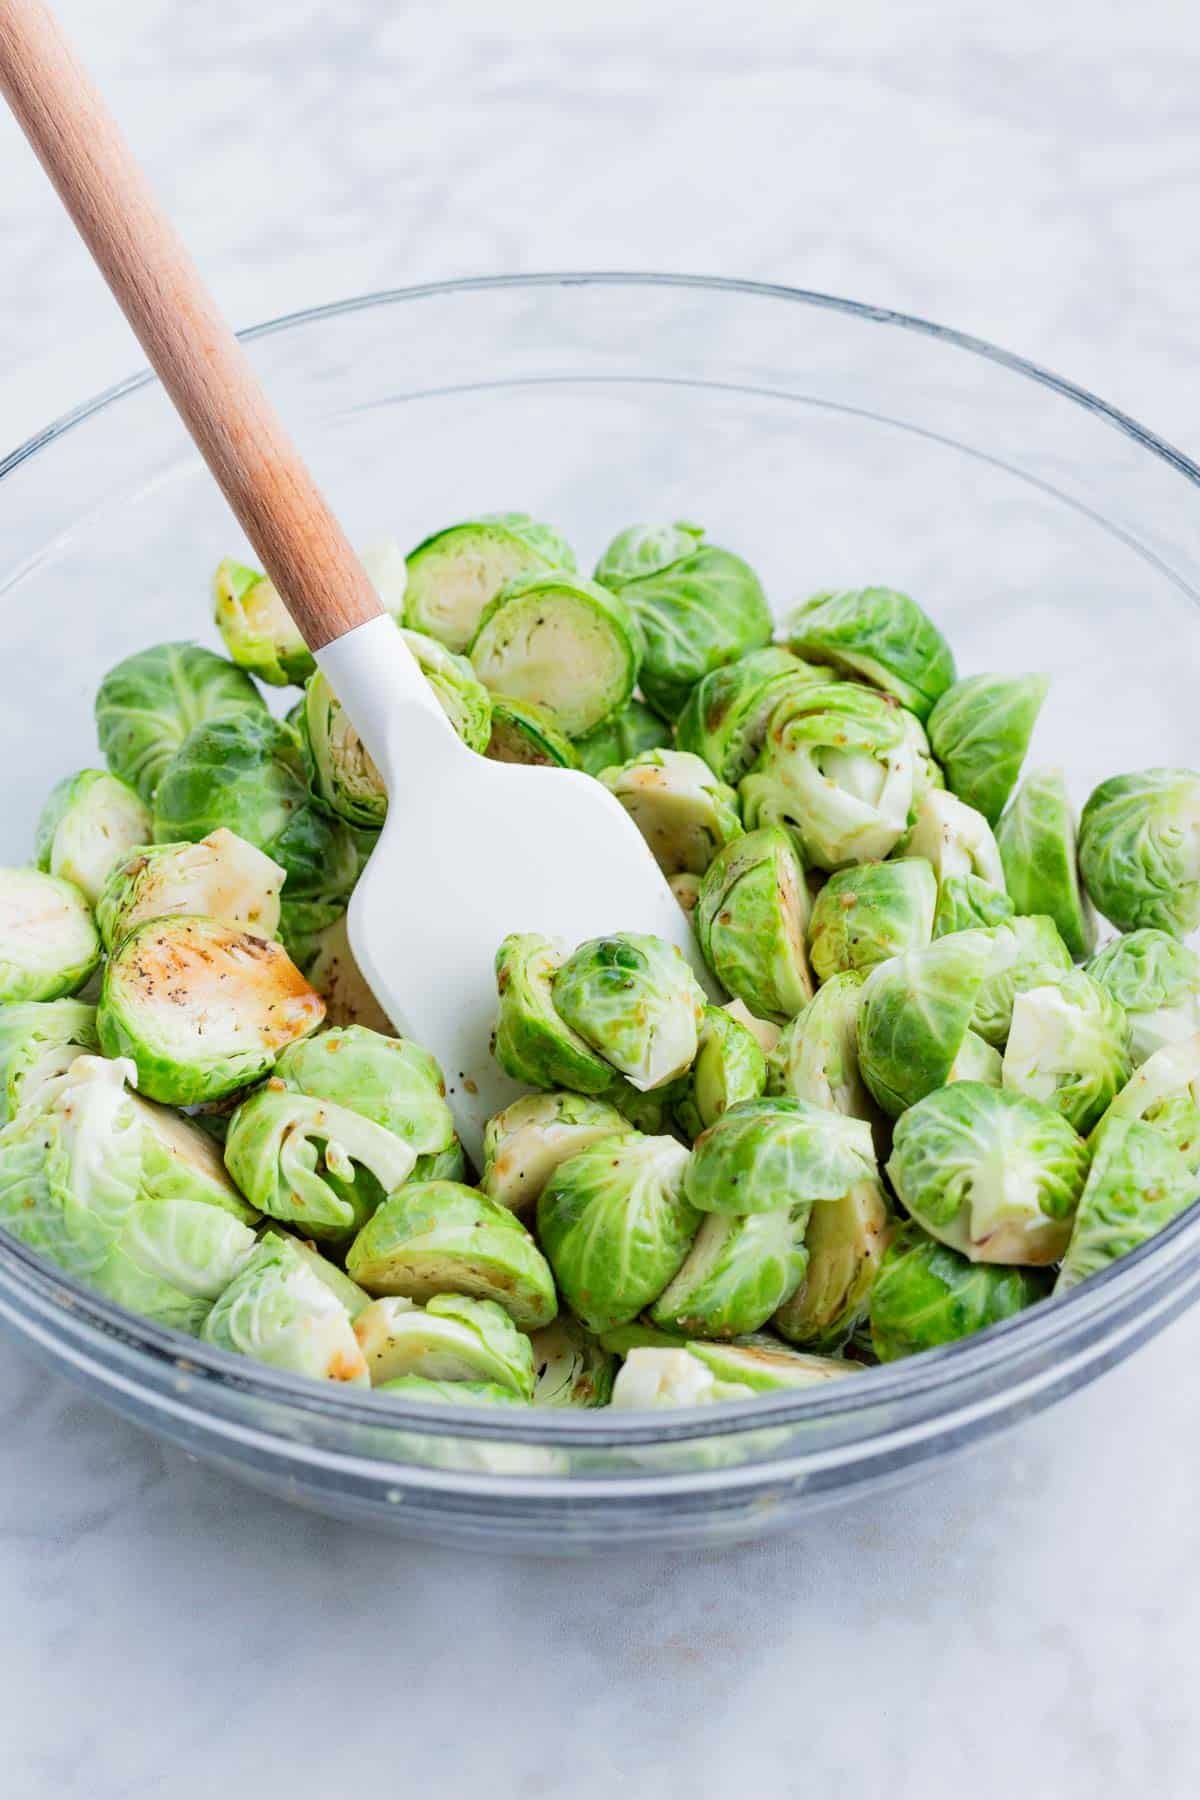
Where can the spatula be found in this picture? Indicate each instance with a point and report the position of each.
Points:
(472, 849)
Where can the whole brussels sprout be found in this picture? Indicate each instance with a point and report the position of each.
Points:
(914, 1015)
(526, 734)
(740, 1269)
(259, 632)
(876, 635)
(571, 1367)
(449, 1393)
(455, 574)
(526, 1143)
(1069, 1048)
(565, 643)
(49, 944)
(201, 1009)
(725, 718)
(1137, 1184)
(1139, 850)
(844, 1243)
(729, 1067)
(992, 1174)
(1036, 839)
(389, 1080)
(531, 1042)
(958, 844)
(89, 821)
(450, 1338)
(684, 813)
(39, 1040)
(1165, 1093)
(698, 606)
(623, 736)
(699, 1374)
(766, 1154)
(280, 1312)
(816, 1058)
(148, 704)
(980, 730)
(439, 1237)
(866, 914)
(1025, 953)
(615, 1224)
(1156, 982)
(331, 969)
(926, 1294)
(751, 918)
(222, 877)
(634, 1000)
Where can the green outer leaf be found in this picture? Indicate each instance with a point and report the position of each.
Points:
(866, 914)
(1139, 850)
(1138, 1183)
(751, 917)
(739, 1270)
(510, 657)
(455, 573)
(878, 635)
(765, 1154)
(726, 715)
(1156, 980)
(149, 703)
(914, 1014)
(525, 733)
(926, 1294)
(623, 736)
(1036, 837)
(980, 730)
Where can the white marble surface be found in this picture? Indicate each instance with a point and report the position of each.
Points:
(1027, 1622)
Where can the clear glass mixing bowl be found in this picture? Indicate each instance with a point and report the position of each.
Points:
(833, 444)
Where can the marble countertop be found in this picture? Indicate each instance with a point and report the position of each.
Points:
(1024, 1623)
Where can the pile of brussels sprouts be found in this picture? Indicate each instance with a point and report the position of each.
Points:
(928, 1101)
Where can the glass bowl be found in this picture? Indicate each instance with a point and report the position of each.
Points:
(833, 444)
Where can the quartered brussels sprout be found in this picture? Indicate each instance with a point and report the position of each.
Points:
(926, 1294)
(626, 734)
(725, 718)
(868, 913)
(259, 632)
(980, 730)
(149, 703)
(1036, 838)
(389, 1080)
(49, 944)
(1139, 850)
(816, 1058)
(565, 643)
(450, 1393)
(39, 1040)
(438, 1237)
(1137, 1184)
(958, 844)
(329, 964)
(751, 919)
(698, 606)
(876, 635)
(1165, 1093)
(571, 1367)
(222, 877)
(455, 574)
(729, 1067)
(531, 1042)
(699, 1374)
(844, 1242)
(914, 1016)
(89, 822)
(200, 1008)
(1156, 981)
(765, 1154)
(684, 813)
(615, 1223)
(633, 999)
(740, 1269)
(1068, 1047)
(992, 1174)
(524, 1144)
(841, 767)
(279, 1311)
(527, 734)
(1025, 953)
(352, 1297)
(450, 1338)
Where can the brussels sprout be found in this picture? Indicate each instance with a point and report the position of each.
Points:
(729, 1067)
(450, 1338)
(1137, 1184)
(967, 901)
(765, 1367)
(1025, 953)
(259, 632)
(89, 821)
(333, 972)
(866, 914)
(222, 877)
(876, 635)
(181, 1162)
(525, 1144)
(725, 718)
(49, 944)
(1165, 1092)
(450, 1393)
(977, 1060)
(841, 766)
(739, 1270)
(278, 1311)
(992, 1174)
(454, 575)
(766, 1154)
(698, 606)
(686, 888)
(303, 925)
(532, 1043)
(1036, 838)
(147, 705)
(751, 919)
(389, 1080)
(1139, 850)
(571, 1367)
(926, 1294)
(1069, 1048)
(39, 1040)
(955, 840)
(525, 733)
(980, 730)
(914, 1015)
(684, 813)
(616, 1225)
(765, 1032)
(565, 643)
(459, 692)
(438, 1237)
(634, 1000)
(1156, 981)
(625, 735)
(844, 1244)
(200, 1008)
(700, 1374)
(352, 1297)
(816, 1058)
(449, 1164)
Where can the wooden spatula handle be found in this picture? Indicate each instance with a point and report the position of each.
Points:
(193, 351)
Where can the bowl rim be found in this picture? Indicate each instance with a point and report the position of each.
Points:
(1034, 1330)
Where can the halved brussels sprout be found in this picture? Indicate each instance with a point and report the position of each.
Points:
(222, 877)
(980, 730)
(49, 944)
(455, 574)
(1139, 850)
(1068, 1047)
(739, 1270)
(977, 1060)
(259, 632)
(389, 1080)
(1165, 1093)
(914, 1015)
(767, 1154)
(525, 1144)
(527, 734)
(992, 1174)
(280, 1312)
(39, 1040)
(634, 1000)
(842, 768)
(149, 703)
(1137, 1184)
(877, 635)
(1156, 981)
(1036, 838)
(563, 642)
(844, 1243)
(926, 1294)
(700, 1374)
(729, 1067)
(181, 1162)
(333, 972)
(725, 718)
(626, 734)
(816, 1058)
(615, 1223)
(89, 822)
(450, 1338)
(201, 1009)
(438, 1237)
(1026, 952)
(352, 1297)
(450, 1393)
(751, 919)
(868, 913)
(684, 813)
(571, 1367)
(531, 1042)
